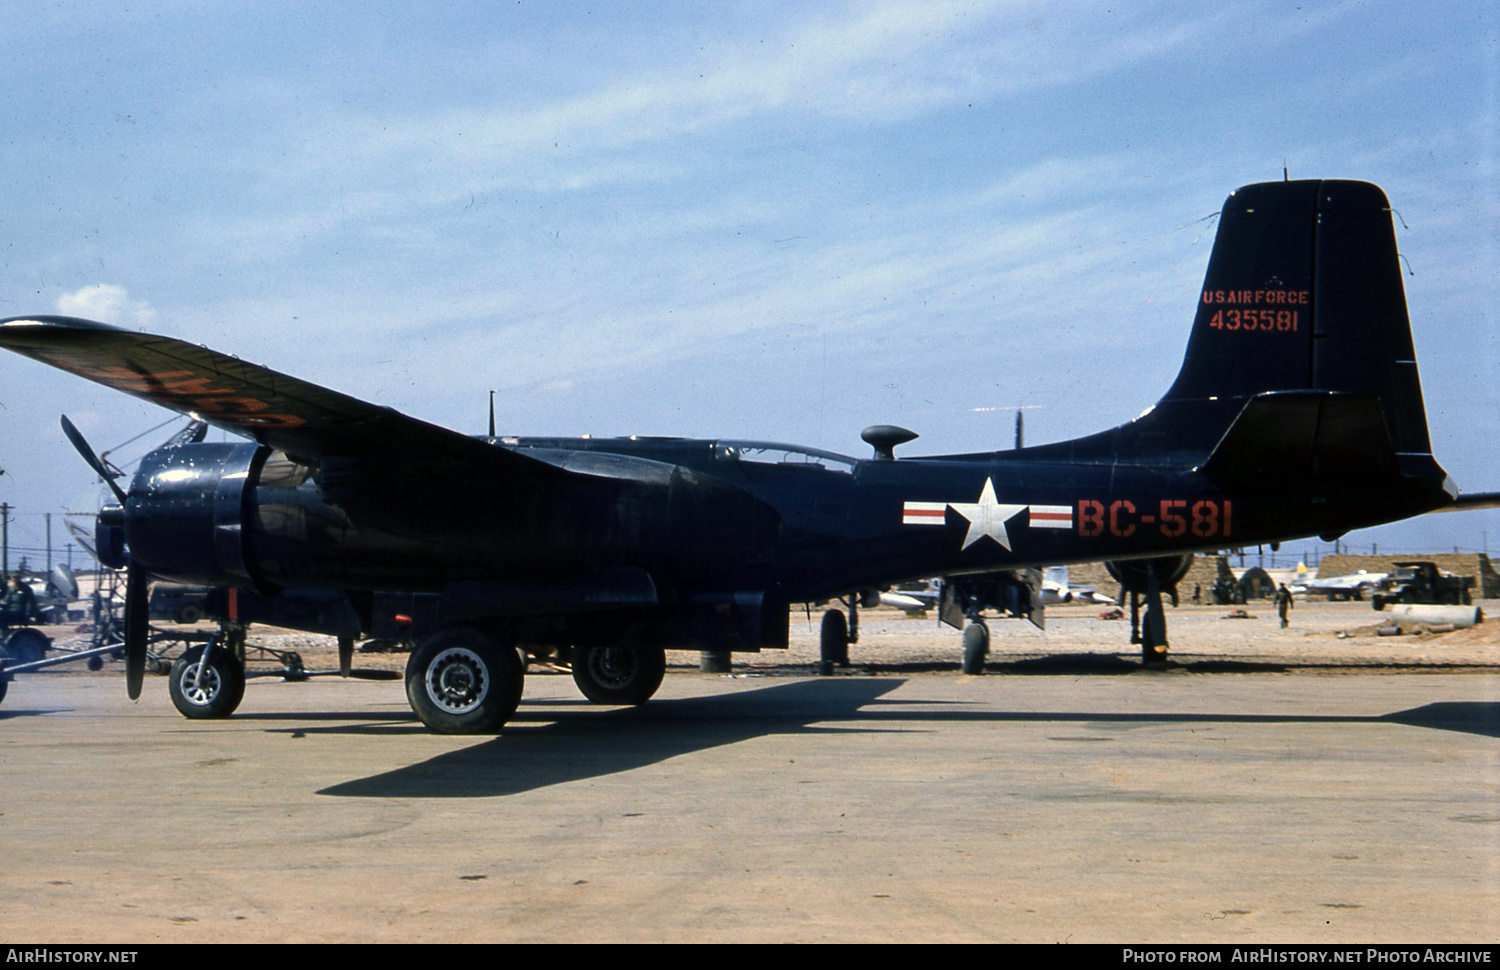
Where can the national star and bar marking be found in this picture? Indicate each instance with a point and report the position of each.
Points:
(988, 516)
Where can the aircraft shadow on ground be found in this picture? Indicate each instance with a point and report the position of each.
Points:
(591, 744)
(32, 711)
(541, 749)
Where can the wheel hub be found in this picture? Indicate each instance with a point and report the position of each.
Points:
(200, 684)
(457, 680)
(614, 667)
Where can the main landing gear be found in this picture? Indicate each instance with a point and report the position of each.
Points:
(1147, 580)
(833, 642)
(976, 645)
(835, 635)
(623, 673)
(462, 681)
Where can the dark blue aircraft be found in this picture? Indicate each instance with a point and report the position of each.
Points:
(1297, 412)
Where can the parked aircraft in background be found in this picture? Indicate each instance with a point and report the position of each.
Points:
(1350, 586)
(1297, 412)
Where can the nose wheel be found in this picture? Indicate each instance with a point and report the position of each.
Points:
(207, 681)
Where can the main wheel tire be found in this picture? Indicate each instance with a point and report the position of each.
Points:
(976, 647)
(461, 681)
(4, 686)
(217, 693)
(623, 674)
(833, 639)
(26, 645)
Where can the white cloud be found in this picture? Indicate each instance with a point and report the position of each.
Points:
(881, 65)
(107, 303)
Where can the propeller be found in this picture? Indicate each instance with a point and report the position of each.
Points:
(137, 602)
(81, 445)
(137, 621)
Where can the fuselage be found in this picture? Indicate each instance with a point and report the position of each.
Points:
(702, 515)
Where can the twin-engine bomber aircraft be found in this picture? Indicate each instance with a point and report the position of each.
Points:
(1297, 412)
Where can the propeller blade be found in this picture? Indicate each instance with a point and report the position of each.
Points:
(81, 445)
(137, 621)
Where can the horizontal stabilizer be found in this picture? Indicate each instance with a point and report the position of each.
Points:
(1303, 437)
(1471, 501)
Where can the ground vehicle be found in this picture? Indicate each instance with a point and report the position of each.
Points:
(1421, 581)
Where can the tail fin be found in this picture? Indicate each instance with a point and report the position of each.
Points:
(1303, 294)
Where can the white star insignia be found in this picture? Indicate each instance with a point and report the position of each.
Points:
(987, 517)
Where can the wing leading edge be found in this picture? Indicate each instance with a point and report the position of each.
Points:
(302, 419)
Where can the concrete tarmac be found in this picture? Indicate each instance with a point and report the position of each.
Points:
(1068, 807)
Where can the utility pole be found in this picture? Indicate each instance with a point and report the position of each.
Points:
(49, 543)
(5, 540)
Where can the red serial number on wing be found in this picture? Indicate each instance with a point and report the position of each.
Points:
(184, 390)
(1173, 518)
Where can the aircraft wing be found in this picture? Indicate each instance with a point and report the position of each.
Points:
(306, 421)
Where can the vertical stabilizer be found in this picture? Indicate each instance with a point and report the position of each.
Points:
(1303, 295)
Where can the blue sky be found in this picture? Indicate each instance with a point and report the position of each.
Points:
(783, 221)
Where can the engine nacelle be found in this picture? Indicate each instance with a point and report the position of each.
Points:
(221, 514)
(186, 511)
